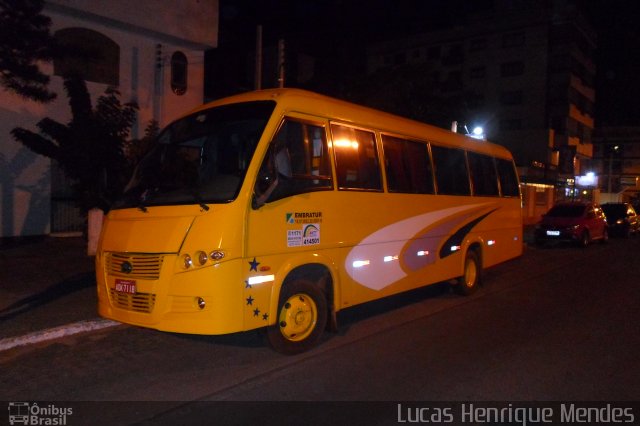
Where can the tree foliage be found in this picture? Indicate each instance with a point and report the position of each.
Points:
(137, 148)
(90, 149)
(24, 40)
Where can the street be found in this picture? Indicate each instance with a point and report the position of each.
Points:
(557, 324)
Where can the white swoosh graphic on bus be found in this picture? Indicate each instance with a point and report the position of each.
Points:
(375, 261)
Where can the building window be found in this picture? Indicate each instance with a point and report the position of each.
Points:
(87, 54)
(478, 44)
(512, 69)
(433, 52)
(400, 58)
(477, 72)
(475, 101)
(514, 97)
(513, 39)
(179, 73)
(511, 124)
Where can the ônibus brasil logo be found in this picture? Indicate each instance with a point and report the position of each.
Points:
(26, 413)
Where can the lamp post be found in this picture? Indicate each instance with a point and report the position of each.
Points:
(613, 150)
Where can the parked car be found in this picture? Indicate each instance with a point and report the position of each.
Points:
(622, 219)
(576, 222)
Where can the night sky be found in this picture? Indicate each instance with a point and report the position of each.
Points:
(320, 26)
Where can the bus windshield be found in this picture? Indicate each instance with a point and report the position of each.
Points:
(199, 159)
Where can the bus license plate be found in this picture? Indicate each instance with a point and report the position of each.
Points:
(125, 286)
(553, 233)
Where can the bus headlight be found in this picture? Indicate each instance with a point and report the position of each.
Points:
(202, 258)
(188, 262)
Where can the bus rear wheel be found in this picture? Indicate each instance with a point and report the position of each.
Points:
(471, 275)
(302, 318)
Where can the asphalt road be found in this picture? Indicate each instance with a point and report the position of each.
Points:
(557, 324)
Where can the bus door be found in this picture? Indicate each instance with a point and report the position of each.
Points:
(292, 189)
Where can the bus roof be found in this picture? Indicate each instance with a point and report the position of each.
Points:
(306, 102)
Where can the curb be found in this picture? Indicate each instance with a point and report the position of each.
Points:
(56, 333)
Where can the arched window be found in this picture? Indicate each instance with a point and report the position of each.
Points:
(89, 55)
(179, 73)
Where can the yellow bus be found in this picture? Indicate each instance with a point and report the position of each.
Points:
(278, 208)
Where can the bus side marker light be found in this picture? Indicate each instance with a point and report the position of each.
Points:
(201, 302)
(217, 255)
(259, 279)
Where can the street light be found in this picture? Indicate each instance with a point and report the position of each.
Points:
(477, 133)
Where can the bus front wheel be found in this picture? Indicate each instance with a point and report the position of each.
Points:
(302, 317)
(470, 280)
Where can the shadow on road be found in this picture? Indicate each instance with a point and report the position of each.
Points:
(50, 294)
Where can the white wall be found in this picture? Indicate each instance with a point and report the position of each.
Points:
(190, 26)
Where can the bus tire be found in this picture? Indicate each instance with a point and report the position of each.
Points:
(302, 318)
(469, 281)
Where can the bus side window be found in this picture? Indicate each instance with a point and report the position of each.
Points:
(450, 167)
(508, 178)
(407, 165)
(483, 175)
(357, 163)
(299, 155)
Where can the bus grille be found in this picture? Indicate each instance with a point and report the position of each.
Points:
(143, 266)
(139, 302)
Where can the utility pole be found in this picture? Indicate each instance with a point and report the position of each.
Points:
(258, 76)
(281, 63)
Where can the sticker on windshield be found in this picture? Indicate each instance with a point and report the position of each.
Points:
(308, 235)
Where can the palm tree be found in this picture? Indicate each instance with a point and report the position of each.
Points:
(90, 148)
(24, 41)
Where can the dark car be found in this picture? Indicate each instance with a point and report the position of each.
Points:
(576, 222)
(622, 219)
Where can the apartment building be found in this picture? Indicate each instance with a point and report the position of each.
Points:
(526, 71)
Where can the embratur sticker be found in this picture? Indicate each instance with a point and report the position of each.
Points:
(304, 217)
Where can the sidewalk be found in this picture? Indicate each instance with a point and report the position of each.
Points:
(45, 282)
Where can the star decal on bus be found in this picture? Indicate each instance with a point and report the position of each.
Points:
(253, 265)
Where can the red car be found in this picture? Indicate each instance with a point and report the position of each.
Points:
(576, 222)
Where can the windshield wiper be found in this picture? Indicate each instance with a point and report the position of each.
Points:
(199, 200)
(146, 195)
